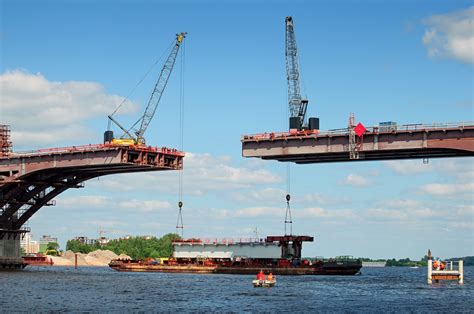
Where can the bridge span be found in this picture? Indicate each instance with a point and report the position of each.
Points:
(29, 181)
(376, 143)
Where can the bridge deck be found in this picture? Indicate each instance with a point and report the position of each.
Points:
(31, 180)
(404, 142)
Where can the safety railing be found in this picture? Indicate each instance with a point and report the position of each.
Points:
(96, 147)
(345, 131)
(221, 241)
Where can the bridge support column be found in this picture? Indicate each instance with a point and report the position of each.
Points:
(10, 253)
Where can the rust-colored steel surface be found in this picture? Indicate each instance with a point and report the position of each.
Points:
(401, 142)
(29, 181)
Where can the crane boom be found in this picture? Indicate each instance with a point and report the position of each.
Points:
(296, 103)
(159, 88)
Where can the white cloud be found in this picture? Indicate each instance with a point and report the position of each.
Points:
(251, 212)
(441, 189)
(323, 199)
(107, 202)
(451, 35)
(144, 205)
(462, 225)
(408, 167)
(318, 212)
(355, 180)
(203, 173)
(86, 201)
(310, 212)
(46, 112)
(466, 210)
(386, 214)
(266, 195)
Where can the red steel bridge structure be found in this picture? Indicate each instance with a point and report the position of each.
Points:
(31, 180)
(376, 143)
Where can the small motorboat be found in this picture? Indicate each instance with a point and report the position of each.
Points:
(264, 283)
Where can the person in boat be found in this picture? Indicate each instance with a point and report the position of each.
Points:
(441, 265)
(261, 275)
(270, 277)
(436, 265)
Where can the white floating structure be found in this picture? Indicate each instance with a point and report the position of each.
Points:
(454, 270)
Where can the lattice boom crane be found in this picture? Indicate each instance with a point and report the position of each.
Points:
(137, 138)
(297, 104)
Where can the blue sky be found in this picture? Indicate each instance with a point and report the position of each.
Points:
(65, 65)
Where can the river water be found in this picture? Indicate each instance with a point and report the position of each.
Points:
(99, 289)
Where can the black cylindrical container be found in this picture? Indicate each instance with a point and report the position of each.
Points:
(313, 123)
(295, 123)
(108, 136)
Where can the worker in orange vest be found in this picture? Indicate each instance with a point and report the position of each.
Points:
(270, 276)
(261, 275)
(441, 265)
(436, 264)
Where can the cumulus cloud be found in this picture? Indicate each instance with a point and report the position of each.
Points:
(203, 173)
(85, 201)
(386, 214)
(144, 205)
(356, 180)
(446, 189)
(55, 110)
(266, 195)
(107, 202)
(310, 212)
(451, 35)
(251, 212)
(408, 167)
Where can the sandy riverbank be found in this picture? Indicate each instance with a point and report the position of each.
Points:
(95, 258)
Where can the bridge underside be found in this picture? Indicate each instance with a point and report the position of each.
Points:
(408, 143)
(31, 181)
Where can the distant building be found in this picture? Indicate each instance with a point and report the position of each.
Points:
(44, 241)
(86, 240)
(28, 245)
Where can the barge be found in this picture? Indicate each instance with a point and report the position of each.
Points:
(280, 255)
(38, 260)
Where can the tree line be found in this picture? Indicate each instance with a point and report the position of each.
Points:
(135, 247)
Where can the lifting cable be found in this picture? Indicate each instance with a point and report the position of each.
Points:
(179, 223)
(288, 219)
(138, 84)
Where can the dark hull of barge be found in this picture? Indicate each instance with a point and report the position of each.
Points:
(327, 268)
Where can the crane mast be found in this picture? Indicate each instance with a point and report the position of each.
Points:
(297, 105)
(159, 88)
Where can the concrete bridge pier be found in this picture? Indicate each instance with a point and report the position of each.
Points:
(10, 253)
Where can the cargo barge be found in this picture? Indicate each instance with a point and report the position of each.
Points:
(280, 255)
(38, 260)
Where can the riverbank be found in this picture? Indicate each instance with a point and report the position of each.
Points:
(95, 258)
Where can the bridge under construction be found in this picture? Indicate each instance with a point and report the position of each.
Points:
(374, 143)
(31, 180)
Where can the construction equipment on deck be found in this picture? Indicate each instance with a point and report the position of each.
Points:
(297, 104)
(128, 139)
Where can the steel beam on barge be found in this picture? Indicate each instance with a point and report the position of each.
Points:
(453, 141)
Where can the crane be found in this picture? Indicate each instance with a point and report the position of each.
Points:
(297, 104)
(137, 138)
